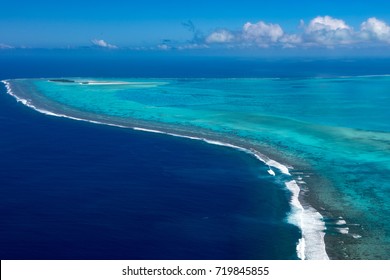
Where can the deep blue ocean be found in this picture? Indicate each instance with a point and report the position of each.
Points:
(75, 190)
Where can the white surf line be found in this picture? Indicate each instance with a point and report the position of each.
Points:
(307, 219)
(312, 244)
(28, 103)
(310, 221)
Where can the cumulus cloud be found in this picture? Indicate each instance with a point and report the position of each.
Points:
(265, 34)
(103, 44)
(290, 40)
(321, 31)
(261, 32)
(326, 23)
(220, 36)
(328, 31)
(374, 28)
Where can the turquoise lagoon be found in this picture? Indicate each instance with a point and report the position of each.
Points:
(326, 139)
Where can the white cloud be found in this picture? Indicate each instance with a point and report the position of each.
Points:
(292, 39)
(321, 31)
(258, 34)
(5, 46)
(221, 36)
(328, 31)
(262, 33)
(326, 23)
(103, 44)
(374, 28)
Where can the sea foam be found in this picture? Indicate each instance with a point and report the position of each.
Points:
(310, 246)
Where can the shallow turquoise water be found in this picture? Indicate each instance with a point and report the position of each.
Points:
(333, 133)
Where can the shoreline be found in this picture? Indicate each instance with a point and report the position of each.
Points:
(311, 245)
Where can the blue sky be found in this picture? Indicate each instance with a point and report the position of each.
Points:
(180, 25)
